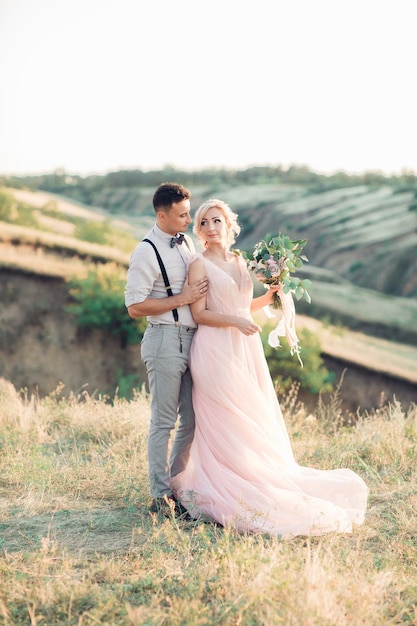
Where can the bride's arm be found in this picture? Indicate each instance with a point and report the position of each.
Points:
(203, 315)
(264, 300)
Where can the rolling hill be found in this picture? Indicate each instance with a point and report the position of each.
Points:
(362, 242)
(361, 246)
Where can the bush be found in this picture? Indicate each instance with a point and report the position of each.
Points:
(92, 231)
(99, 303)
(104, 233)
(6, 207)
(286, 369)
(16, 212)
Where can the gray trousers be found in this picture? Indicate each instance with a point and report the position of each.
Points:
(170, 387)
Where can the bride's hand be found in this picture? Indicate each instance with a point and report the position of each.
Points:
(269, 295)
(247, 326)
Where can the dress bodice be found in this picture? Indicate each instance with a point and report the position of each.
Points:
(225, 294)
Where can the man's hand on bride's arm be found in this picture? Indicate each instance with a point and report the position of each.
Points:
(191, 292)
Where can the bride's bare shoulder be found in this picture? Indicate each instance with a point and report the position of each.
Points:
(196, 259)
(196, 267)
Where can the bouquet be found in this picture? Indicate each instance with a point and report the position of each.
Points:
(273, 260)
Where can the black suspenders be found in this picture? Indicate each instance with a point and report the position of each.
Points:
(165, 277)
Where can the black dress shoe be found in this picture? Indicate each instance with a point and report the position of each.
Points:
(169, 506)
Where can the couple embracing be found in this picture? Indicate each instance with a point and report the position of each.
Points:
(231, 459)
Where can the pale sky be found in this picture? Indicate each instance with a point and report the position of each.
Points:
(102, 85)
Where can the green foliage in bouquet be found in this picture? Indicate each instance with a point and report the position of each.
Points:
(275, 259)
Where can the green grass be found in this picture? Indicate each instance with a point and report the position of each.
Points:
(78, 546)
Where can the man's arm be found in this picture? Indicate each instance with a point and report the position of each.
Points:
(155, 306)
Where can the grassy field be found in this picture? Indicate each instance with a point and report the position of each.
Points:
(78, 546)
(378, 355)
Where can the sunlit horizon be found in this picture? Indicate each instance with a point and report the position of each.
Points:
(234, 168)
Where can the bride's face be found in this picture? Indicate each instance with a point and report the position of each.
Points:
(213, 227)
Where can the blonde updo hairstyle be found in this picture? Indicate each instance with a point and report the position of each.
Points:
(232, 227)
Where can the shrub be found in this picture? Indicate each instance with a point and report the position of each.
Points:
(99, 303)
(6, 207)
(92, 231)
(16, 212)
(356, 265)
(285, 369)
(104, 233)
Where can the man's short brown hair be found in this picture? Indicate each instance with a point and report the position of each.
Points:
(169, 193)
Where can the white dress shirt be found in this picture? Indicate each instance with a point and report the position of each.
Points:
(145, 280)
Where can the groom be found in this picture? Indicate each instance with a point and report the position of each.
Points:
(167, 339)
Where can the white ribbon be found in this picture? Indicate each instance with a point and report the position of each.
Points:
(286, 325)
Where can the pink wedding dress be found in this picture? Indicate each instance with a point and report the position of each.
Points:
(242, 471)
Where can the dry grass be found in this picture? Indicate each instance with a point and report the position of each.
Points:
(79, 547)
(41, 199)
(371, 307)
(397, 359)
(40, 261)
(32, 238)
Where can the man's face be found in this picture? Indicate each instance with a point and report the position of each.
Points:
(177, 219)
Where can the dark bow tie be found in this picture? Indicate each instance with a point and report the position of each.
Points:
(178, 239)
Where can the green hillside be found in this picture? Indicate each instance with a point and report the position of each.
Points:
(361, 227)
(46, 235)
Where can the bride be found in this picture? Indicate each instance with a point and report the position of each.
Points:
(242, 472)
